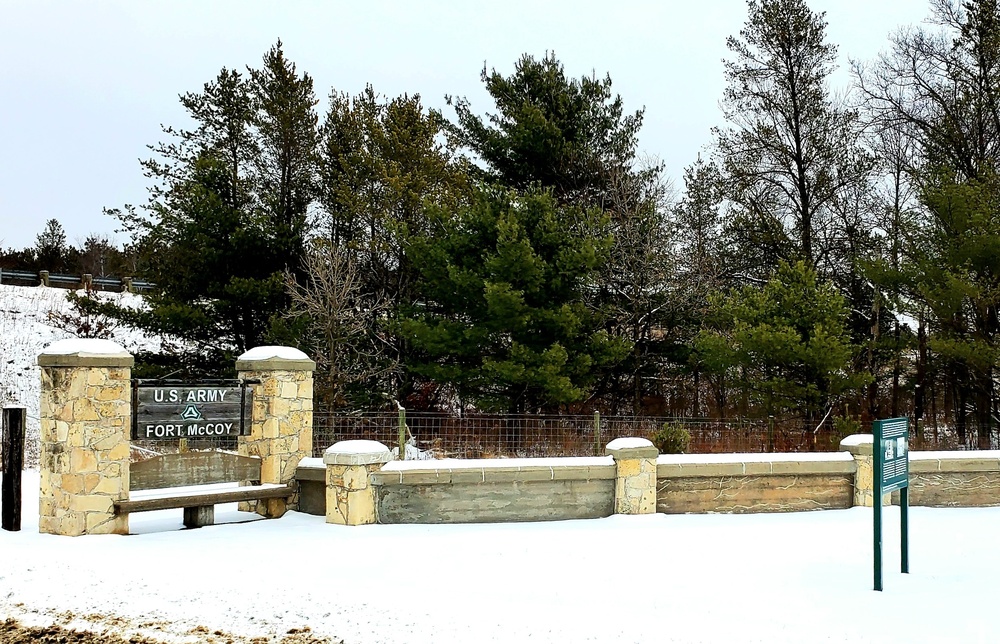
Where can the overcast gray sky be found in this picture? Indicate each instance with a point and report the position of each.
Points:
(86, 85)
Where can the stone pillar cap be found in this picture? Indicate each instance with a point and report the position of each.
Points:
(85, 352)
(273, 358)
(359, 452)
(623, 448)
(858, 444)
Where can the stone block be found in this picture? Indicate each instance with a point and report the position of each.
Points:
(91, 503)
(82, 460)
(289, 391)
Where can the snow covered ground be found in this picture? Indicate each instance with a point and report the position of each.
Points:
(32, 318)
(774, 578)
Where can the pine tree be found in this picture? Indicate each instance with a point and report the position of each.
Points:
(51, 248)
(566, 134)
(936, 94)
(504, 321)
(784, 345)
(226, 215)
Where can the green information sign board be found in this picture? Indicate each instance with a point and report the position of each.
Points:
(891, 456)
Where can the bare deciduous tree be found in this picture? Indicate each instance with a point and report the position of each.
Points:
(345, 324)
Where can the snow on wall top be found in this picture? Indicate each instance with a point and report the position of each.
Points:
(629, 443)
(357, 447)
(85, 347)
(499, 463)
(684, 459)
(273, 352)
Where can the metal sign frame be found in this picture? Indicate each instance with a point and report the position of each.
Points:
(246, 398)
(891, 461)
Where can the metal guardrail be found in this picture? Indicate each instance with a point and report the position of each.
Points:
(85, 281)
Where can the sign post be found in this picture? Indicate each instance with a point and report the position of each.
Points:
(12, 446)
(890, 450)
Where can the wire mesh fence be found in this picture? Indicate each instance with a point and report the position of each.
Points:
(439, 435)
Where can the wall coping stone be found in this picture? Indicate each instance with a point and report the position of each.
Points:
(358, 452)
(858, 444)
(497, 463)
(85, 352)
(954, 462)
(716, 465)
(631, 448)
(955, 455)
(495, 471)
(274, 358)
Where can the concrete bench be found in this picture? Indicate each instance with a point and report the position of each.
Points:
(192, 481)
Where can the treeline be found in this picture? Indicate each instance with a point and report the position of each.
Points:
(832, 255)
(96, 255)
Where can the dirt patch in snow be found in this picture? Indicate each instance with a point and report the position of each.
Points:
(13, 632)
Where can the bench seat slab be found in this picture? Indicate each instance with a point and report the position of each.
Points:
(197, 500)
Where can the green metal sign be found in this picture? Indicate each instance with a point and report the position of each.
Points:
(892, 472)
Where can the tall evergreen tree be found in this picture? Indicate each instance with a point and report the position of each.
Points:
(226, 215)
(51, 247)
(570, 135)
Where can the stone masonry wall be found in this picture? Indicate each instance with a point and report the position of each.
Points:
(946, 479)
(281, 426)
(746, 483)
(85, 418)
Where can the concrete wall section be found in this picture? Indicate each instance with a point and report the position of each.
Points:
(311, 477)
(746, 483)
(954, 479)
(494, 491)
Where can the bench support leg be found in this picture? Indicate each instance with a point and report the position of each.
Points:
(199, 516)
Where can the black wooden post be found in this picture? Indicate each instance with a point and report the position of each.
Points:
(12, 444)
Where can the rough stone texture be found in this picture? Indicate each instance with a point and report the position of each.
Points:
(955, 489)
(85, 418)
(350, 497)
(496, 501)
(969, 479)
(635, 486)
(280, 428)
(754, 493)
(635, 483)
(860, 447)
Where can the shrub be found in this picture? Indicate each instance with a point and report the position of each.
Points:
(845, 427)
(672, 438)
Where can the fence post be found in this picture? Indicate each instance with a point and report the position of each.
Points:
(12, 446)
(402, 434)
(770, 433)
(597, 433)
(44, 276)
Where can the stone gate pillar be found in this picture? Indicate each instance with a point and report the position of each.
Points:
(281, 421)
(860, 446)
(635, 481)
(86, 415)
